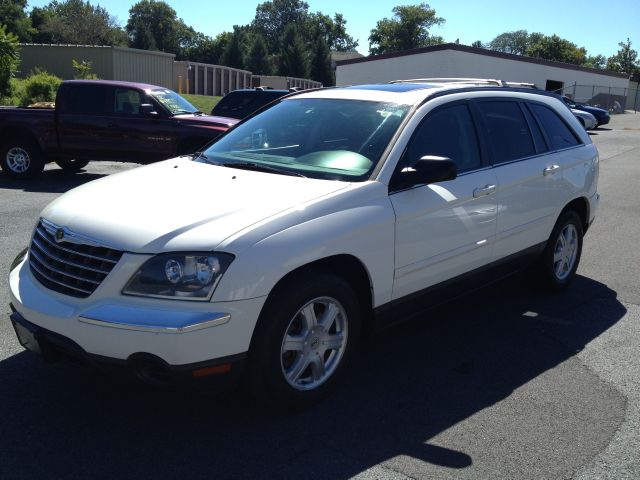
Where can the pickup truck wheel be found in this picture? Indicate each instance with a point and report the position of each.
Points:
(72, 165)
(562, 253)
(21, 158)
(305, 338)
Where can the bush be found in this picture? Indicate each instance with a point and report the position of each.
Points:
(83, 70)
(40, 86)
(9, 59)
(15, 93)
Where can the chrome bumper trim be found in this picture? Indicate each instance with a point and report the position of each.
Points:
(152, 320)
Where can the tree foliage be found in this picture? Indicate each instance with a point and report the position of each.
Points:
(477, 44)
(558, 49)
(14, 17)
(258, 60)
(9, 59)
(516, 42)
(625, 60)
(234, 52)
(596, 61)
(294, 61)
(273, 17)
(321, 70)
(154, 25)
(76, 22)
(408, 29)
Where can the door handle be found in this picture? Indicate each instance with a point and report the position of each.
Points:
(550, 170)
(483, 191)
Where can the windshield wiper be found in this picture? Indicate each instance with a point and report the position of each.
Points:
(261, 168)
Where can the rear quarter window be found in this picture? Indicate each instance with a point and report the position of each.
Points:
(557, 131)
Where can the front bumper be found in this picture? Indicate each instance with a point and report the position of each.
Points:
(113, 326)
(149, 368)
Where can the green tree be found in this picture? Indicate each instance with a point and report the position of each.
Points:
(9, 59)
(558, 49)
(155, 25)
(14, 16)
(258, 60)
(234, 53)
(79, 22)
(321, 70)
(82, 70)
(294, 61)
(516, 42)
(477, 44)
(625, 60)
(333, 31)
(408, 29)
(273, 17)
(597, 61)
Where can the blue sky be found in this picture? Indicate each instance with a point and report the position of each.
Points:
(597, 25)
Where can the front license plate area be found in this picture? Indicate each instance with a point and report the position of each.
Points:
(26, 337)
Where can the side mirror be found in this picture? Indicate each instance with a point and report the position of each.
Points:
(429, 169)
(148, 109)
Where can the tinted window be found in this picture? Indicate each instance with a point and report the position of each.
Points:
(242, 104)
(507, 129)
(448, 132)
(85, 99)
(538, 139)
(557, 131)
(126, 101)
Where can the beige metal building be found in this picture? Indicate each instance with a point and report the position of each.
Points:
(460, 61)
(108, 63)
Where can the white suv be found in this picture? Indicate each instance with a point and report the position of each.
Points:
(269, 253)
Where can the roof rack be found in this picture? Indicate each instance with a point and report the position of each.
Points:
(469, 81)
(466, 81)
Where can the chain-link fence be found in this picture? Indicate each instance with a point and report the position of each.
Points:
(613, 99)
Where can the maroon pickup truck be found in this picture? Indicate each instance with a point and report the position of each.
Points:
(103, 120)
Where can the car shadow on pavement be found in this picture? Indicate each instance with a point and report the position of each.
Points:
(409, 384)
(51, 181)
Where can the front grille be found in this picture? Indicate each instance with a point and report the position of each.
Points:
(70, 268)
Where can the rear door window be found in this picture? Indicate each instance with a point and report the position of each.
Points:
(85, 99)
(559, 134)
(507, 130)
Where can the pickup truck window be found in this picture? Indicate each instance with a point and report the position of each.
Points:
(318, 138)
(84, 99)
(174, 103)
(127, 101)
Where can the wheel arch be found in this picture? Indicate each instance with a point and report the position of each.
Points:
(581, 206)
(346, 266)
(18, 132)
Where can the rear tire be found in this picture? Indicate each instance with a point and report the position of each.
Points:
(21, 158)
(72, 165)
(304, 340)
(560, 259)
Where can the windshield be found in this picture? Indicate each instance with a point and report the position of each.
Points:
(241, 104)
(172, 101)
(319, 138)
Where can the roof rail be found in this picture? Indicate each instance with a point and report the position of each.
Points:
(466, 81)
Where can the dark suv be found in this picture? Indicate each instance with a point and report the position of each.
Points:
(242, 103)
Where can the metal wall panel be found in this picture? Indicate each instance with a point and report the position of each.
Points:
(143, 66)
(57, 59)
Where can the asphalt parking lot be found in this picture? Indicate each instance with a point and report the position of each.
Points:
(508, 384)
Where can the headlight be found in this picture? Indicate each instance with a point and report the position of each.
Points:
(184, 276)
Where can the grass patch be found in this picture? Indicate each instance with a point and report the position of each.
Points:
(202, 102)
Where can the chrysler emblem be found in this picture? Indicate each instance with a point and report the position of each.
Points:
(59, 235)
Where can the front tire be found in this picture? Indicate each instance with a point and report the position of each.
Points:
(304, 339)
(562, 254)
(72, 165)
(21, 158)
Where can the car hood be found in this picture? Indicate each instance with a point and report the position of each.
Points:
(180, 205)
(207, 120)
(590, 109)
